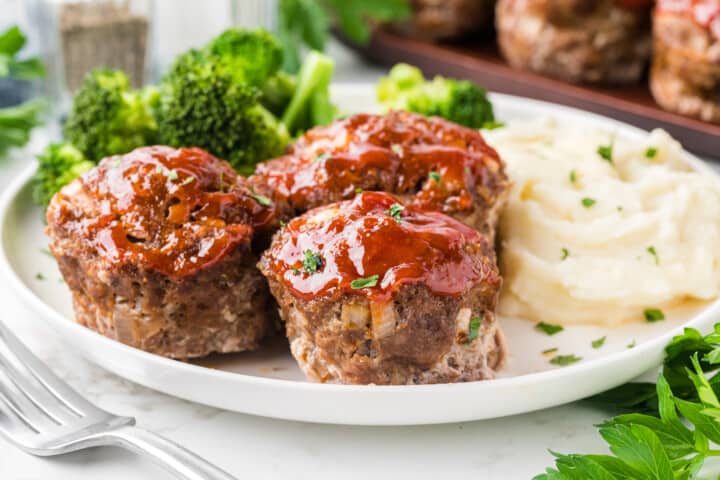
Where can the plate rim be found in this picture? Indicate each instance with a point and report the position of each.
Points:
(59, 322)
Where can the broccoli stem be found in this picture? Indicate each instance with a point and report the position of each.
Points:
(314, 78)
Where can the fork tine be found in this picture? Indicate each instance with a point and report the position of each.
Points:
(45, 377)
(17, 408)
(36, 393)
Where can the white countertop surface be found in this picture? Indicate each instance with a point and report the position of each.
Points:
(260, 448)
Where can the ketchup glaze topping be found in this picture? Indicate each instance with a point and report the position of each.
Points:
(175, 211)
(443, 165)
(352, 241)
(705, 13)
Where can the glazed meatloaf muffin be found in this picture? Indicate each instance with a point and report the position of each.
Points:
(594, 41)
(376, 292)
(429, 163)
(446, 19)
(685, 75)
(157, 249)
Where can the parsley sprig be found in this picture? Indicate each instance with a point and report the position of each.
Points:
(653, 441)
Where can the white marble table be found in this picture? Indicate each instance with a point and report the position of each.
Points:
(261, 448)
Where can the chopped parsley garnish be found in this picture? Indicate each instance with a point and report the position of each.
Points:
(651, 152)
(321, 157)
(397, 149)
(619, 208)
(47, 252)
(262, 200)
(188, 180)
(564, 360)
(632, 344)
(548, 328)
(606, 152)
(473, 329)
(172, 175)
(282, 224)
(312, 261)
(549, 351)
(651, 250)
(565, 253)
(394, 211)
(573, 176)
(359, 190)
(492, 125)
(296, 271)
(39, 276)
(653, 315)
(599, 342)
(435, 176)
(370, 281)
(588, 202)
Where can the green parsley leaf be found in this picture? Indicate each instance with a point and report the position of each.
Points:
(312, 261)
(632, 344)
(172, 175)
(473, 329)
(492, 125)
(188, 180)
(549, 351)
(435, 176)
(47, 252)
(565, 253)
(548, 328)
(619, 208)
(653, 315)
(394, 211)
(359, 190)
(651, 152)
(588, 202)
(370, 281)
(262, 200)
(39, 276)
(573, 176)
(651, 250)
(565, 360)
(321, 157)
(296, 271)
(397, 149)
(599, 342)
(606, 152)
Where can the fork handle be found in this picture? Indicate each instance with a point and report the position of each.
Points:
(169, 455)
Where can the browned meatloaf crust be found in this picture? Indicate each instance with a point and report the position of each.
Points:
(685, 75)
(592, 41)
(157, 249)
(427, 162)
(374, 292)
(446, 19)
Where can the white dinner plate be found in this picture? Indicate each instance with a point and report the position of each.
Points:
(269, 383)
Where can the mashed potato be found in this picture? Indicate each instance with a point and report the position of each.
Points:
(586, 240)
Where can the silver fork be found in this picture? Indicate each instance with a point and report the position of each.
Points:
(44, 416)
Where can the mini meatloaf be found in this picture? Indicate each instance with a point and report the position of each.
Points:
(685, 76)
(446, 19)
(376, 292)
(429, 163)
(157, 249)
(593, 41)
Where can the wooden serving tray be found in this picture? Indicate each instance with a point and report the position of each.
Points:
(481, 62)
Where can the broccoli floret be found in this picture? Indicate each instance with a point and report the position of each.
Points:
(460, 101)
(108, 118)
(202, 105)
(58, 165)
(251, 56)
(310, 104)
(278, 91)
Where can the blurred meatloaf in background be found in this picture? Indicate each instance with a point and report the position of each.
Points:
(446, 19)
(376, 292)
(157, 247)
(685, 76)
(429, 163)
(594, 41)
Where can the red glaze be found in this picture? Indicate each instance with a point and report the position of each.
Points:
(152, 214)
(359, 238)
(705, 13)
(393, 152)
